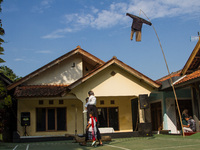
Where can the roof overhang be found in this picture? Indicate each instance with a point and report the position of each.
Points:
(193, 62)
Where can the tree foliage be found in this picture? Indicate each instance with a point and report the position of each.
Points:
(9, 73)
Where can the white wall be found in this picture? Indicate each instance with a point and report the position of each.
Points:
(62, 73)
(171, 116)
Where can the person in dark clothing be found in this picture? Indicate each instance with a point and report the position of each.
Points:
(137, 26)
(92, 105)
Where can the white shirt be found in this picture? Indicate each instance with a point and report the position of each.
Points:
(86, 104)
(92, 100)
(90, 122)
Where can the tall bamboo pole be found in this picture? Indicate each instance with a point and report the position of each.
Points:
(180, 118)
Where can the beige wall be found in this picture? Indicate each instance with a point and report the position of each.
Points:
(30, 105)
(104, 84)
(62, 73)
(121, 85)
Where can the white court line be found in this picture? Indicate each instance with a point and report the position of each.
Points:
(27, 147)
(172, 147)
(118, 147)
(15, 147)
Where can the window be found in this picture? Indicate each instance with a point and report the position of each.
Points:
(108, 117)
(41, 102)
(51, 119)
(112, 102)
(101, 102)
(61, 122)
(61, 102)
(41, 119)
(51, 102)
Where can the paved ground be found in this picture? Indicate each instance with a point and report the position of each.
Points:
(157, 142)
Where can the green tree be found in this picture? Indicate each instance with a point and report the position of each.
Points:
(9, 73)
(2, 32)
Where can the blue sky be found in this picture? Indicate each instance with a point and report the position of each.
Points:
(39, 31)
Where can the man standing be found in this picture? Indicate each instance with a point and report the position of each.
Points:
(92, 105)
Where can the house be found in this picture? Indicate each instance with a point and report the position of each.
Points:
(186, 82)
(52, 98)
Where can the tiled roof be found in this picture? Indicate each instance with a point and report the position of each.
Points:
(174, 74)
(40, 90)
(188, 77)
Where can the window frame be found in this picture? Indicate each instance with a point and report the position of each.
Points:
(46, 119)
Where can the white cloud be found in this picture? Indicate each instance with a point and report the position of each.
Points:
(18, 59)
(59, 33)
(165, 8)
(115, 15)
(44, 52)
(94, 10)
(44, 4)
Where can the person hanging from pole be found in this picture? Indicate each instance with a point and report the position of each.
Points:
(137, 26)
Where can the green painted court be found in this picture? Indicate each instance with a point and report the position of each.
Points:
(157, 142)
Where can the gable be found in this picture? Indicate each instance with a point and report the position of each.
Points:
(114, 81)
(65, 73)
(36, 78)
(121, 65)
(193, 62)
(120, 83)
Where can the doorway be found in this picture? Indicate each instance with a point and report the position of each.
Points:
(135, 117)
(156, 116)
(183, 104)
(109, 117)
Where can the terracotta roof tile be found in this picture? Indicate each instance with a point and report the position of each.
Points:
(40, 90)
(174, 74)
(188, 77)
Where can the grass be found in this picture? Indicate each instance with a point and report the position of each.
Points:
(156, 142)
